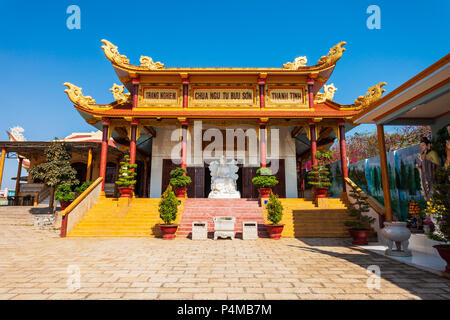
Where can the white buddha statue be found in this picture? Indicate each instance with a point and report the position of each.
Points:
(223, 179)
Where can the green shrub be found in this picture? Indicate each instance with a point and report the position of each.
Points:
(179, 179)
(264, 178)
(80, 189)
(319, 176)
(168, 206)
(274, 209)
(357, 209)
(126, 174)
(439, 206)
(64, 193)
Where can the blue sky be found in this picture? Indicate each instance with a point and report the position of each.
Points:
(38, 52)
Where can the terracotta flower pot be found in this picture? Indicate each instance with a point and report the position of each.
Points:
(274, 230)
(445, 254)
(180, 192)
(321, 192)
(168, 231)
(264, 192)
(64, 204)
(125, 192)
(359, 236)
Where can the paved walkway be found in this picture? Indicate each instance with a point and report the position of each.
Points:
(36, 264)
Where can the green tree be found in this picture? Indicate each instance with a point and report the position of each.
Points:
(274, 209)
(168, 206)
(417, 179)
(403, 176)
(56, 170)
(411, 181)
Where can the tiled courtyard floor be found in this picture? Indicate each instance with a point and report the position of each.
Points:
(36, 264)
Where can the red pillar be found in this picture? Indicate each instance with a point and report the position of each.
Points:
(104, 153)
(134, 124)
(184, 125)
(343, 151)
(135, 83)
(262, 143)
(185, 82)
(310, 83)
(262, 92)
(312, 130)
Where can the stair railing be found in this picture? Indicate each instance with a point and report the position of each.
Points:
(82, 204)
(372, 202)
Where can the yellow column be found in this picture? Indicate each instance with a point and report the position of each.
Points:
(384, 173)
(89, 166)
(2, 164)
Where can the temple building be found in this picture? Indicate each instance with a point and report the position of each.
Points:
(171, 117)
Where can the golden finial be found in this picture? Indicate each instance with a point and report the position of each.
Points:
(334, 55)
(148, 63)
(328, 93)
(75, 95)
(373, 94)
(113, 54)
(298, 62)
(118, 94)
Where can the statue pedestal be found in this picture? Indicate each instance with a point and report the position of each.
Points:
(218, 195)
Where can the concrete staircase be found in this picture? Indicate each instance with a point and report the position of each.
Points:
(205, 209)
(303, 219)
(112, 217)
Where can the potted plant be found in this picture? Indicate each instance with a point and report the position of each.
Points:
(168, 208)
(126, 179)
(319, 176)
(264, 181)
(359, 229)
(80, 189)
(274, 215)
(179, 180)
(65, 195)
(438, 207)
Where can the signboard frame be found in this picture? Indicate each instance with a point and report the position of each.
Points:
(143, 104)
(210, 104)
(270, 104)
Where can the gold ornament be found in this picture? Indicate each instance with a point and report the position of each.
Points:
(373, 94)
(298, 62)
(113, 54)
(147, 63)
(333, 56)
(75, 95)
(328, 93)
(118, 94)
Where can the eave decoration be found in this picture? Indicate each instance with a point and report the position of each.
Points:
(112, 53)
(76, 96)
(328, 93)
(333, 56)
(119, 95)
(373, 94)
(298, 62)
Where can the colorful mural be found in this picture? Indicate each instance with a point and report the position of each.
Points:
(404, 179)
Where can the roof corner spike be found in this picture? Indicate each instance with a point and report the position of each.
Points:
(333, 56)
(113, 55)
(76, 96)
(373, 95)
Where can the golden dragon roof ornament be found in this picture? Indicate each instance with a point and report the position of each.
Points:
(328, 93)
(76, 96)
(119, 95)
(333, 56)
(373, 94)
(112, 53)
(298, 62)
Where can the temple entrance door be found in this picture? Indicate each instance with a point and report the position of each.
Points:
(248, 190)
(168, 166)
(197, 188)
(280, 188)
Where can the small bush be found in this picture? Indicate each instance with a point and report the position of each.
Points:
(79, 190)
(274, 209)
(178, 178)
(126, 174)
(64, 193)
(357, 209)
(264, 178)
(168, 206)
